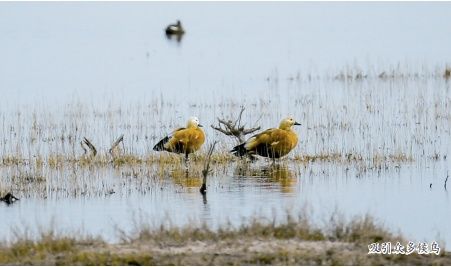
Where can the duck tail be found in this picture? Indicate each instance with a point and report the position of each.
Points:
(239, 150)
(160, 145)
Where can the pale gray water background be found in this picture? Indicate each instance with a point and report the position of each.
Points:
(102, 69)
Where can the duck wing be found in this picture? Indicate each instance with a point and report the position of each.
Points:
(168, 141)
(252, 144)
(277, 143)
(264, 138)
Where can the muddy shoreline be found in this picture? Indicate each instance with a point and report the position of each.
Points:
(295, 242)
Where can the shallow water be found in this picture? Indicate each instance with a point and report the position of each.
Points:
(100, 70)
(398, 197)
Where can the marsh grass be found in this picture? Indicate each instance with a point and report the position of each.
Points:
(397, 115)
(293, 242)
(394, 72)
(221, 158)
(350, 158)
(103, 175)
(95, 176)
(376, 121)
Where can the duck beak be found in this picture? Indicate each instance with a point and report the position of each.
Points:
(296, 123)
(200, 125)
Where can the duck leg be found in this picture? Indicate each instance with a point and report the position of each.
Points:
(186, 161)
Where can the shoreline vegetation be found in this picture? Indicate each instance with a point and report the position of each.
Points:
(223, 157)
(261, 242)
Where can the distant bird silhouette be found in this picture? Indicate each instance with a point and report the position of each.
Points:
(183, 140)
(175, 29)
(272, 143)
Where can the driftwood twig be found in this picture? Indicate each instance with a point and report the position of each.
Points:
(114, 150)
(206, 170)
(234, 128)
(446, 180)
(91, 147)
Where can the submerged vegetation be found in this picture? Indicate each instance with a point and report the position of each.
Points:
(293, 242)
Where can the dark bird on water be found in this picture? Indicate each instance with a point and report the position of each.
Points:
(175, 29)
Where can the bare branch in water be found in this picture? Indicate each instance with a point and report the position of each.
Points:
(83, 147)
(239, 118)
(206, 170)
(251, 130)
(235, 129)
(114, 150)
(91, 147)
(446, 180)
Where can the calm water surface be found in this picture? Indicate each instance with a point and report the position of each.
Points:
(103, 69)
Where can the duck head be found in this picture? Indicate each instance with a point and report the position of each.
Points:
(193, 122)
(286, 123)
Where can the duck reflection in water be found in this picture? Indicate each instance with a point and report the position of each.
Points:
(177, 38)
(191, 180)
(279, 174)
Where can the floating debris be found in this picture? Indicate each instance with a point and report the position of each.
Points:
(9, 198)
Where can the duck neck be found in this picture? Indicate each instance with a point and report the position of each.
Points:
(284, 127)
(191, 125)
